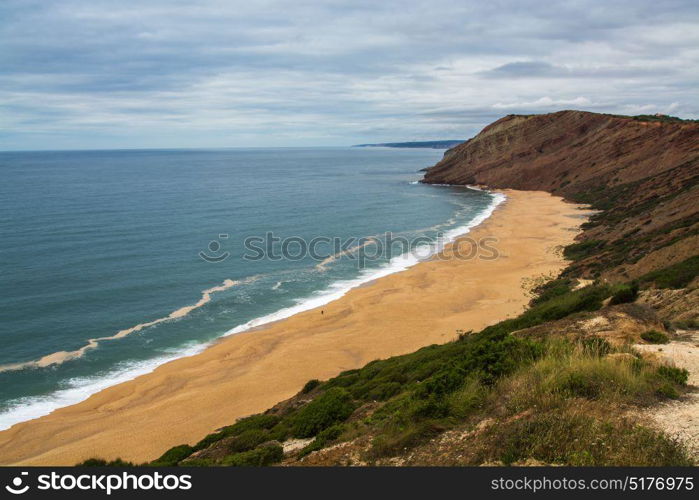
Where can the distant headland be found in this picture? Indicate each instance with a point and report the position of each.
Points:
(445, 144)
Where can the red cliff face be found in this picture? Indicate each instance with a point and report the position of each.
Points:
(642, 174)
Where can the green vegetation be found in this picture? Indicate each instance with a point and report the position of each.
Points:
(333, 406)
(686, 324)
(494, 375)
(173, 456)
(673, 374)
(579, 251)
(588, 298)
(662, 118)
(310, 385)
(625, 216)
(535, 394)
(266, 454)
(98, 462)
(624, 293)
(255, 422)
(655, 337)
(323, 438)
(569, 436)
(675, 276)
(552, 288)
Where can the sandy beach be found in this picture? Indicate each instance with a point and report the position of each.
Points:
(182, 401)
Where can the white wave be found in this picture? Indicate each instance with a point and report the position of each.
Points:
(79, 389)
(396, 264)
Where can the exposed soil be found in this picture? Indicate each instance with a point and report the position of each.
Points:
(641, 175)
(679, 418)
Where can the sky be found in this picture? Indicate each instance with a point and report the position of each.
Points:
(104, 74)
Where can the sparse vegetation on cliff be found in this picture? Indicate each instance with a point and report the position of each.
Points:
(534, 393)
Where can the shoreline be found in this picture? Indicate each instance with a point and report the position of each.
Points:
(185, 399)
(334, 292)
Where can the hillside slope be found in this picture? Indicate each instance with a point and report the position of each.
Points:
(640, 172)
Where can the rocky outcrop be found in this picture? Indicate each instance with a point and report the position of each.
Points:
(680, 307)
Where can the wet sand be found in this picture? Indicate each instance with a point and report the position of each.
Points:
(182, 401)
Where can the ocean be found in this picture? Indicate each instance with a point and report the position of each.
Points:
(114, 262)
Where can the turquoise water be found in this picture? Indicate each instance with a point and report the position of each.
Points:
(98, 242)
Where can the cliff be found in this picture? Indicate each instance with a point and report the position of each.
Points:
(640, 172)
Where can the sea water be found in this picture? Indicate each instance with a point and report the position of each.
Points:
(113, 262)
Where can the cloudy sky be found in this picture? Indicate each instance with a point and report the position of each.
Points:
(130, 74)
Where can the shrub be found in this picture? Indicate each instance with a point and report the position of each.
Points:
(552, 289)
(675, 276)
(247, 440)
(259, 457)
(173, 456)
(310, 385)
(261, 421)
(334, 406)
(585, 385)
(433, 407)
(655, 337)
(384, 391)
(98, 462)
(323, 438)
(621, 294)
(675, 375)
(578, 251)
(200, 462)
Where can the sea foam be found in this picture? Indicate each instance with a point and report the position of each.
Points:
(79, 389)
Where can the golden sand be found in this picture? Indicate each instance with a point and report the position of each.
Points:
(182, 401)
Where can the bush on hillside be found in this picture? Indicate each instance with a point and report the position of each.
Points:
(259, 457)
(624, 293)
(655, 337)
(173, 456)
(333, 406)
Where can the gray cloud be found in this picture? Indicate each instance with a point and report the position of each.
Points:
(109, 73)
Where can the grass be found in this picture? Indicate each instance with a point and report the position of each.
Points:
(537, 408)
(574, 435)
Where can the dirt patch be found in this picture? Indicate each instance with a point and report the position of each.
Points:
(679, 419)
